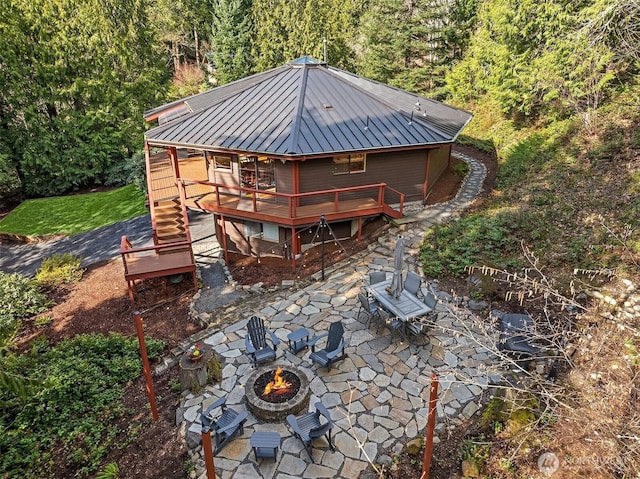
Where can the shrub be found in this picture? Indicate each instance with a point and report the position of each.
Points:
(9, 181)
(59, 269)
(20, 298)
(130, 171)
(71, 415)
(461, 169)
(477, 239)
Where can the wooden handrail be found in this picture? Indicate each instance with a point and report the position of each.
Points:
(127, 248)
(125, 244)
(292, 200)
(347, 189)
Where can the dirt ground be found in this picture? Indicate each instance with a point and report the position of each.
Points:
(99, 304)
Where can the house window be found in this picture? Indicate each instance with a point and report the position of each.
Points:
(257, 173)
(248, 171)
(347, 164)
(221, 162)
(252, 229)
(266, 231)
(270, 232)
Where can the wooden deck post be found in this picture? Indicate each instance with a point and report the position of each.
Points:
(145, 365)
(294, 248)
(431, 424)
(224, 240)
(173, 155)
(147, 159)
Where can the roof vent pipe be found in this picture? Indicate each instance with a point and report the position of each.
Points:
(324, 47)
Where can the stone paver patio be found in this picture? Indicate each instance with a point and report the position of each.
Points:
(378, 395)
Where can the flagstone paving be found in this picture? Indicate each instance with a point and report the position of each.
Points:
(378, 395)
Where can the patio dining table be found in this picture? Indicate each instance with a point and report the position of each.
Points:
(406, 307)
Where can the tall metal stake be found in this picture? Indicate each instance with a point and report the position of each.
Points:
(431, 424)
(322, 226)
(145, 365)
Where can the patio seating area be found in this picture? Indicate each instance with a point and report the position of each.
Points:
(376, 396)
(378, 393)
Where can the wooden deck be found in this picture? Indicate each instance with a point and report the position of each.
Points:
(272, 211)
(260, 205)
(155, 262)
(163, 180)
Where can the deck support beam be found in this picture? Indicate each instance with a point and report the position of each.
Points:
(294, 247)
(173, 155)
(224, 240)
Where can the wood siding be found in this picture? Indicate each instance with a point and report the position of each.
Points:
(404, 171)
(439, 160)
(284, 176)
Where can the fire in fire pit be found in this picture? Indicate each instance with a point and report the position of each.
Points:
(282, 385)
(278, 385)
(273, 392)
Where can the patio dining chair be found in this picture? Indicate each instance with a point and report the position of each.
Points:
(369, 306)
(417, 330)
(224, 426)
(431, 301)
(311, 426)
(395, 325)
(256, 341)
(412, 283)
(377, 277)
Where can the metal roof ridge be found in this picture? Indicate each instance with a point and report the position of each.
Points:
(403, 112)
(298, 112)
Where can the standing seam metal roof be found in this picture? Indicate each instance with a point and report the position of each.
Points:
(308, 108)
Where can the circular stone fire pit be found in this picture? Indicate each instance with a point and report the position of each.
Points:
(277, 405)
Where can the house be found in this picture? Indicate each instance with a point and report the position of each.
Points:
(271, 154)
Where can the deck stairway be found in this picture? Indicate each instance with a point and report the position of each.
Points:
(172, 251)
(170, 224)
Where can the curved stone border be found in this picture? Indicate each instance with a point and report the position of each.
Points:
(470, 189)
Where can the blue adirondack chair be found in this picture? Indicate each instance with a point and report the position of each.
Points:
(334, 348)
(225, 426)
(256, 341)
(310, 426)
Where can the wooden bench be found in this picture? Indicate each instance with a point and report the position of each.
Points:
(155, 262)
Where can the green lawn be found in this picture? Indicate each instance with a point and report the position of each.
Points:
(74, 214)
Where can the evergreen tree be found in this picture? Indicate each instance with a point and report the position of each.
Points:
(231, 40)
(76, 78)
(404, 44)
(286, 30)
(459, 24)
(533, 58)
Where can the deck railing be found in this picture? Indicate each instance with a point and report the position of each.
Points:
(300, 205)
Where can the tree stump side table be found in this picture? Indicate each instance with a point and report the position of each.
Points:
(195, 374)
